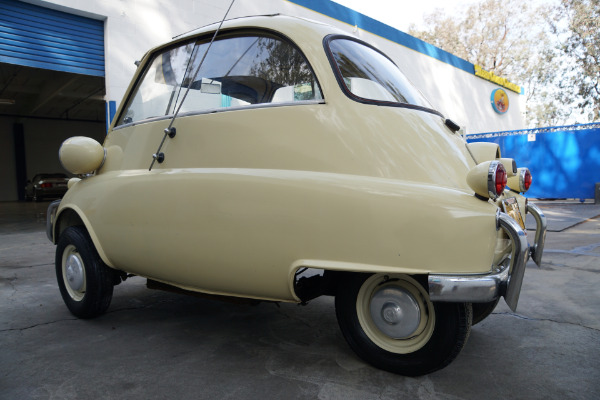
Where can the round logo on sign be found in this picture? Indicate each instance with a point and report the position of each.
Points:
(499, 101)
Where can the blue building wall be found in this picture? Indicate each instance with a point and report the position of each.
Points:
(564, 161)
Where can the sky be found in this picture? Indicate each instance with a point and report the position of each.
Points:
(401, 13)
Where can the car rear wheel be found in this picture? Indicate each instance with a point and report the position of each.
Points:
(85, 282)
(483, 310)
(391, 323)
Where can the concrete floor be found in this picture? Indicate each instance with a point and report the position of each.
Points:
(157, 345)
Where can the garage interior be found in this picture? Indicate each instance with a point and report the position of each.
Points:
(52, 87)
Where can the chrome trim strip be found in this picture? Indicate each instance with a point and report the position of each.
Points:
(103, 161)
(222, 109)
(50, 216)
(540, 232)
(488, 287)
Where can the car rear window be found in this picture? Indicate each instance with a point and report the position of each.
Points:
(367, 75)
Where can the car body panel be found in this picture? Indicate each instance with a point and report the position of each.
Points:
(350, 138)
(243, 231)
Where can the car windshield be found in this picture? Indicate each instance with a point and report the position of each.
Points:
(237, 72)
(368, 75)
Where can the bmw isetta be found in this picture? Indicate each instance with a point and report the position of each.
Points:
(280, 160)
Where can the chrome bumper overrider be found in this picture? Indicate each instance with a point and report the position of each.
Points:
(507, 282)
(50, 215)
(540, 233)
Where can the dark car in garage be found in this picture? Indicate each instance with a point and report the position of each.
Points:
(46, 186)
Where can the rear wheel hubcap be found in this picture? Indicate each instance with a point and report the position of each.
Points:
(395, 312)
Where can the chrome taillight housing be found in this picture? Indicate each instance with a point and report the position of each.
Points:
(497, 179)
(488, 179)
(521, 181)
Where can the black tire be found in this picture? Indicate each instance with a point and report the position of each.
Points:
(442, 332)
(483, 310)
(85, 282)
(36, 197)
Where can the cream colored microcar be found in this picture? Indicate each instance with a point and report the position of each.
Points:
(281, 160)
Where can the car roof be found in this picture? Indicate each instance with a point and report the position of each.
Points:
(304, 32)
(280, 22)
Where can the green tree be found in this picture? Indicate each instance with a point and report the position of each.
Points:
(510, 38)
(279, 62)
(577, 22)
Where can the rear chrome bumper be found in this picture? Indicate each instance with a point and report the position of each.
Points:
(506, 282)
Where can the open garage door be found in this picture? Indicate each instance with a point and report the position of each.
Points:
(52, 87)
(43, 38)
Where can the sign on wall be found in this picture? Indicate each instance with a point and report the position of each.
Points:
(499, 101)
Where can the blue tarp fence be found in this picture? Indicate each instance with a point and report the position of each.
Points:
(564, 161)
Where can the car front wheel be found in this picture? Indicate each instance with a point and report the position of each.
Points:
(85, 282)
(391, 323)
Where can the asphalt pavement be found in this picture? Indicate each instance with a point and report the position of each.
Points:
(159, 345)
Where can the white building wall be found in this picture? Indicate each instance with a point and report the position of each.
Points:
(134, 26)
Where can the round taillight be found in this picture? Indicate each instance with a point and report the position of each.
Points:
(488, 179)
(521, 181)
(526, 180)
(498, 178)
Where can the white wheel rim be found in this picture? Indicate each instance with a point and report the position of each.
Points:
(395, 313)
(73, 273)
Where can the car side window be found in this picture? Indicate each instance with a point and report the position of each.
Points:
(369, 76)
(237, 71)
